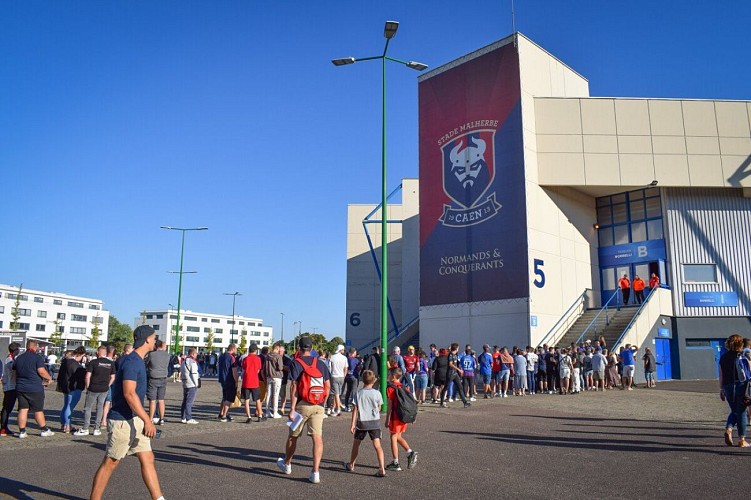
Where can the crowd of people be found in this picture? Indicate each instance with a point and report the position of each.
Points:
(317, 385)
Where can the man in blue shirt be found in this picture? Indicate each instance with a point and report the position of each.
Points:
(629, 366)
(485, 360)
(129, 426)
(31, 379)
(227, 374)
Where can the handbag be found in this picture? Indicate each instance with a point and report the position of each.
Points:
(236, 403)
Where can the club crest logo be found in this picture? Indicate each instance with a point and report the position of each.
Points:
(468, 173)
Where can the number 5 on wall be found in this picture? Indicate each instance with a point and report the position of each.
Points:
(540, 279)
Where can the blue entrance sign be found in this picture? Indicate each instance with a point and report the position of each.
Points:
(533, 321)
(710, 299)
(663, 332)
(631, 253)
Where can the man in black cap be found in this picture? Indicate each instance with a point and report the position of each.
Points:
(309, 389)
(129, 426)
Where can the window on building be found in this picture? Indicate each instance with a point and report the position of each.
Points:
(57, 302)
(80, 330)
(22, 326)
(2, 309)
(214, 320)
(38, 299)
(233, 332)
(15, 296)
(40, 328)
(94, 306)
(72, 303)
(149, 316)
(1, 324)
(700, 273)
(40, 314)
(699, 343)
(191, 318)
(629, 217)
(218, 330)
(204, 320)
(193, 329)
(160, 316)
(218, 340)
(173, 316)
(206, 330)
(60, 315)
(20, 311)
(242, 323)
(78, 317)
(97, 320)
(61, 328)
(251, 323)
(192, 339)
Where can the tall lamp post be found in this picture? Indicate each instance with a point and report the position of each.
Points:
(180, 284)
(389, 32)
(232, 328)
(282, 327)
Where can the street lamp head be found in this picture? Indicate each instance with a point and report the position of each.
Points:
(417, 65)
(344, 61)
(390, 29)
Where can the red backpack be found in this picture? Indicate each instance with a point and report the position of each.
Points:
(310, 386)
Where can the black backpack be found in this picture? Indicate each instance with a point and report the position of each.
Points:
(406, 406)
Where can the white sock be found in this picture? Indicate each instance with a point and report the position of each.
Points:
(409, 451)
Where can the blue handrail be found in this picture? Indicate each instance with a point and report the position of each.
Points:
(636, 316)
(564, 316)
(594, 321)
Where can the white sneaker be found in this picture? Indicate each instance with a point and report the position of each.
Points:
(48, 433)
(192, 421)
(285, 468)
(184, 421)
(22, 435)
(473, 398)
(504, 395)
(155, 420)
(97, 432)
(275, 415)
(452, 400)
(81, 432)
(315, 477)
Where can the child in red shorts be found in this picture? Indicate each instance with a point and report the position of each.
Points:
(397, 428)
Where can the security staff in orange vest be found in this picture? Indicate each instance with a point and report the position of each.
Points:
(625, 285)
(639, 286)
(654, 281)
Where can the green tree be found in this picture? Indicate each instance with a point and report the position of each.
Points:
(118, 334)
(15, 314)
(210, 340)
(243, 347)
(56, 337)
(333, 343)
(95, 331)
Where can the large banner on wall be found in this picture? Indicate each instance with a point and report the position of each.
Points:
(473, 237)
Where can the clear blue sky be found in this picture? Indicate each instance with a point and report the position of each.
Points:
(119, 117)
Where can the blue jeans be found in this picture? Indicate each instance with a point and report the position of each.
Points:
(734, 396)
(189, 396)
(70, 400)
(531, 381)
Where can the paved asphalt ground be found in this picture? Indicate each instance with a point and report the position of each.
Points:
(664, 443)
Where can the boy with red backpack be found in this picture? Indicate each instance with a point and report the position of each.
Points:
(309, 389)
(401, 410)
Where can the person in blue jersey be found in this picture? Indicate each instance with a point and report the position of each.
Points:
(469, 365)
(423, 375)
(485, 363)
(129, 426)
(629, 366)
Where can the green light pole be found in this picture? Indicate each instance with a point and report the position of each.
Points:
(232, 328)
(389, 31)
(180, 284)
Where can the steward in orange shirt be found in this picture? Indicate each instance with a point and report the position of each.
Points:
(625, 285)
(639, 287)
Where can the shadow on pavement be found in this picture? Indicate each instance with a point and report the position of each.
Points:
(647, 423)
(26, 491)
(608, 444)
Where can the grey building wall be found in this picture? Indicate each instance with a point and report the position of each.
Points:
(709, 226)
(699, 362)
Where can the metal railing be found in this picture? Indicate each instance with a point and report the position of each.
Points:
(636, 316)
(575, 311)
(593, 323)
(393, 334)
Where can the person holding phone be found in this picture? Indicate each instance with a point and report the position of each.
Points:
(129, 426)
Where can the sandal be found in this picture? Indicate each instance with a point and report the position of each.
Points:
(380, 474)
(729, 437)
(348, 466)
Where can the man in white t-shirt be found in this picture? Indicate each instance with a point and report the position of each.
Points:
(51, 361)
(532, 361)
(338, 369)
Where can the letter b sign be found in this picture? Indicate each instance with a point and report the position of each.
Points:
(641, 251)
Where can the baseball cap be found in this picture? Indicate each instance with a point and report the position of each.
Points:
(305, 343)
(140, 335)
(411, 347)
(339, 348)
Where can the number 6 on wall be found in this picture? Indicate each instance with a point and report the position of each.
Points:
(540, 279)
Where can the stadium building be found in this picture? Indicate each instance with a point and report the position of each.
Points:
(534, 199)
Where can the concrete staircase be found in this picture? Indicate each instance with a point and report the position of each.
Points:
(610, 324)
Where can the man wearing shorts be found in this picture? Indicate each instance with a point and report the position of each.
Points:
(485, 361)
(251, 383)
(129, 426)
(157, 366)
(31, 379)
(629, 366)
(227, 374)
(599, 364)
(312, 415)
